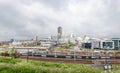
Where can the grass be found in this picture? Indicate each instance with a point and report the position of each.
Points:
(10, 65)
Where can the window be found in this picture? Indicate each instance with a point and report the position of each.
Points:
(107, 45)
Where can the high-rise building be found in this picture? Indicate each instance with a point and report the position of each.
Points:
(35, 38)
(59, 33)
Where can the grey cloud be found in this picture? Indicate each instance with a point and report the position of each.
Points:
(55, 4)
(24, 19)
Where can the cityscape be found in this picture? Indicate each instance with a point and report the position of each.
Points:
(65, 36)
(70, 47)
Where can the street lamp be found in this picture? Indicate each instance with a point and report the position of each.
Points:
(27, 54)
(55, 53)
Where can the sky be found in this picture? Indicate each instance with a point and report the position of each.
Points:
(23, 19)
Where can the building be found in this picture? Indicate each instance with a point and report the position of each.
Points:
(47, 42)
(87, 45)
(95, 44)
(59, 32)
(62, 40)
(4, 43)
(107, 44)
(22, 43)
(35, 38)
(31, 50)
(101, 44)
(85, 41)
(59, 36)
(116, 43)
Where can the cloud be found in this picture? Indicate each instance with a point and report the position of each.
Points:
(23, 19)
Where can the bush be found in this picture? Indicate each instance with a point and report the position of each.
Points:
(4, 53)
(14, 53)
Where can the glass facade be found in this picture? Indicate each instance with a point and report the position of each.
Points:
(107, 45)
(87, 45)
(117, 43)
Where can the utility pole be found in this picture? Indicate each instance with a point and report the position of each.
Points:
(114, 57)
(55, 54)
(27, 54)
(74, 53)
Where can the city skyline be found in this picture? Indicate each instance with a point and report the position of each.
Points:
(22, 19)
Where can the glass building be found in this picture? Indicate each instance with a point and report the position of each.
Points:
(107, 45)
(116, 43)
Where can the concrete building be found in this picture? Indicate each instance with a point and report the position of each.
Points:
(95, 43)
(47, 42)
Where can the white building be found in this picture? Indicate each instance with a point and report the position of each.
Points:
(21, 42)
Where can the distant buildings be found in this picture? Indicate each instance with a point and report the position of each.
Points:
(97, 43)
(84, 42)
(63, 39)
(47, 42)
(18, 43)
(4, 43)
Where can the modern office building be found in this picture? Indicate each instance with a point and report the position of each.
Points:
(116, 43)
(87, 45)
(107, 44)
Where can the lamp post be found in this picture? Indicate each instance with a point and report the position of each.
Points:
(74, 52)
(55, 54)
(27, 50)
(27, 54)
(114, 57)
(106, 54)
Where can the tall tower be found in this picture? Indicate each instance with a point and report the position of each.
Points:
(35, 38)
(59, 33)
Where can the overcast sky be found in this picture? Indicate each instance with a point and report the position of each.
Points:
(22, 19)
